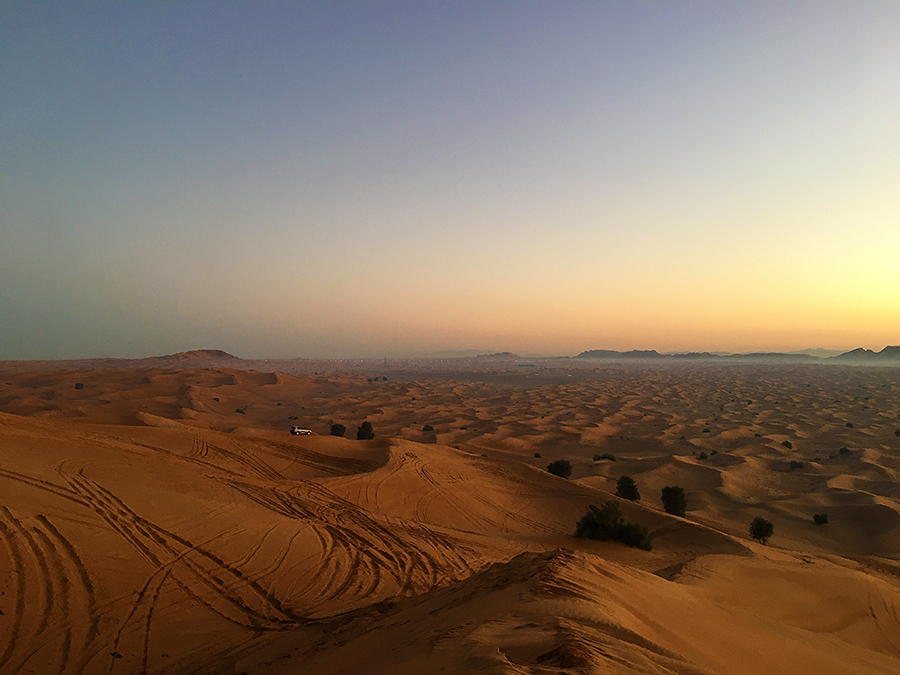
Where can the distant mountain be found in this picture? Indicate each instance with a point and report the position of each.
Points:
(193, 358)
(498, 355)
(888, 355)
(652, 354)
(612, 354)
(818, 352)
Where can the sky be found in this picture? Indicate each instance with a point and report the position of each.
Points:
(367, 179)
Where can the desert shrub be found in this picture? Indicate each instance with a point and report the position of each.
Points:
(849, 425)
(278, 404)
(560, 467)
(537, 455)
(216, 399)
(338, 430)
(240, 411)
(607, 523)
(626, 488)
(605, 455)
(796, 465)
(79, 385)
(702, 455)
(365, 432)
(761, 529)
(787, 444)
(897, 433)
(757, 435)
(844, 451)
(674, 500)
(428, 427)
(820, 518)
(706, 430)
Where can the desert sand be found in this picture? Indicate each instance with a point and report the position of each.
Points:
(161, 519)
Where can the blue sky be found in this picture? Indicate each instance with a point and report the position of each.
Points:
(364, 179)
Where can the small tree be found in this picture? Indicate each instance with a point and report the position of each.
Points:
(428, 427)
(761, 529)
(820, 518)
(560, 467)
(626, 488)
(796, 465)
(606, 455)
(607, 523)
(338, 430)
(365, 432)
(674, 500)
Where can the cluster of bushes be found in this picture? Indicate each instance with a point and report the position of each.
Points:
(605, 455)
(363, 433)
(561, 468)
(608, 524)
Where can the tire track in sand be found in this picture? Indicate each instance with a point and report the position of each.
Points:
(221, 588)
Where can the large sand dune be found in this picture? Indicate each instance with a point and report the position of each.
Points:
(164, 521)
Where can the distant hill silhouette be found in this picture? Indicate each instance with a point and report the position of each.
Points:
(612, 354)
(886, 355)
(498, 355)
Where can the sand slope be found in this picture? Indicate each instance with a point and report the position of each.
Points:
(146, 527)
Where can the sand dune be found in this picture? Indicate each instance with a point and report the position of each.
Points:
(164, 521)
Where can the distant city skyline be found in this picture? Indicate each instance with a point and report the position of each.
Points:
(367, 179)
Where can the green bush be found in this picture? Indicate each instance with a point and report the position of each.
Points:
(787, 444)
(626, 488)
(820, 518)
(607, 524)
(428, 427)
(702, 455)
(537, 455)
(605, 455)
(897, 433)
(674, 500)
(560, 467)
(761, 529)
(365, 432)
(338, 430)
(796, 465)
(844, 451)
(849, 425)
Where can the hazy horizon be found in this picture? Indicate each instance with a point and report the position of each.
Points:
(357, 179)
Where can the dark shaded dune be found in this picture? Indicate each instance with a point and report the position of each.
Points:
(565, 611)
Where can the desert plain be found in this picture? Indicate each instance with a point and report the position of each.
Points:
(158, 517)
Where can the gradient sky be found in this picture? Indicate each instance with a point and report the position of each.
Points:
(333, 179)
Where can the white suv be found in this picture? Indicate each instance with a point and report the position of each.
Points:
(300, 431)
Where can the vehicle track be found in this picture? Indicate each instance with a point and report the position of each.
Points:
(66, 613)
(218, 586)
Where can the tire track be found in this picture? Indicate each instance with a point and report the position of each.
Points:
(221, 588)
(44, 485)
(8, 533)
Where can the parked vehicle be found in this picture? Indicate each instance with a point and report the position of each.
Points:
(300, 431)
